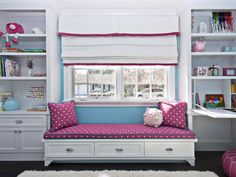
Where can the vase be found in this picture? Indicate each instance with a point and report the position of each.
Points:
(11, 105)
(215, 72)
(30, 73)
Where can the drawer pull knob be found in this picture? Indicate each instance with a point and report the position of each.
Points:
(169, 149)
(69, 150)
(15, 131)
(19, 121)
(119, 150)
(19, 131)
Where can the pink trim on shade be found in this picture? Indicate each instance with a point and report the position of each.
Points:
(119, 34)
(122, 64)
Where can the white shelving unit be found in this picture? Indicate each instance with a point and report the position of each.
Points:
(212, 55)
(21, 131)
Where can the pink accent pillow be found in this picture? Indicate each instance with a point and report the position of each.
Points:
(174, 114)
(62, 115)
(153, 117)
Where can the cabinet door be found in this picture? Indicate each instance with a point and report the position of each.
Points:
(31, 139)
(8, 140)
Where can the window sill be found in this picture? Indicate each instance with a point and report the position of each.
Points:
(127, 103)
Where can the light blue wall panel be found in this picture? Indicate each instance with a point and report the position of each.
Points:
(110, 114)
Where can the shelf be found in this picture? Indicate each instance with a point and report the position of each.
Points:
(23, 111)
(214, 36)
(212, 77)
(23, 78)
(213, 53)
(215, 113)
(26, 35)
(22, 54)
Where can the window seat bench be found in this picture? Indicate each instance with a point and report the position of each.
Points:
(119, 142)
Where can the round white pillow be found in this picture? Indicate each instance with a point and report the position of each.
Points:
(153, 117)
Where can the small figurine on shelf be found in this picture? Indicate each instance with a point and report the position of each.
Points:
(215, 70)
(199, 46)
(30, 65)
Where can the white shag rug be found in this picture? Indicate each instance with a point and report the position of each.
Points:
(117, 173)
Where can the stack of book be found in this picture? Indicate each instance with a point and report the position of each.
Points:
(222, 22)
(9, 68)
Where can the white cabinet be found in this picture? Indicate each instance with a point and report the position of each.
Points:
(9, 140)
(21, 134)
(30, 140)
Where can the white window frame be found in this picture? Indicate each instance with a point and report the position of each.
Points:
(68, 91)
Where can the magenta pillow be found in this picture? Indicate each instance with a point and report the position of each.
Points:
(62, 115)
(174, 114)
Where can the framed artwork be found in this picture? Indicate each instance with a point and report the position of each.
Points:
(201, 71)
(215, 100)
(229, 71)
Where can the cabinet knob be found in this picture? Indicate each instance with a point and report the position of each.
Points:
(169, 149)
(15, 131)
(69, 150)
(19, 121)
(119, 150)
(19, 131)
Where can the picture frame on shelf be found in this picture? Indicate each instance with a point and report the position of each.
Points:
(229, 71)
(214, 101)
(201, 71)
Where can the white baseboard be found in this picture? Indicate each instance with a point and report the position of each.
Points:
(213, 145)
(21, 157)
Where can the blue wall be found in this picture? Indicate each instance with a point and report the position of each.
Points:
(110, 114)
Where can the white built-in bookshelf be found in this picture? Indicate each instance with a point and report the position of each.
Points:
(213, 27)
(21, 131)
(23, 86)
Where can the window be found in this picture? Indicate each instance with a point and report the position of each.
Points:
(119, 83)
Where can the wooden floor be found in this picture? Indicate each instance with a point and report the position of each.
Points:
(210, 161)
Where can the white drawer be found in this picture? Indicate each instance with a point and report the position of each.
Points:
(22, 121)
(171, 149)
(119, 149)
(69, 150)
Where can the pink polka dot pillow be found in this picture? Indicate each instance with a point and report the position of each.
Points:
(153, 117)
(62, 115)
(174, 114)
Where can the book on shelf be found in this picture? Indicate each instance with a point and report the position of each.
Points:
(12, 68)
(3, 68)
(34, 50)
(197, 99)
(39, 108)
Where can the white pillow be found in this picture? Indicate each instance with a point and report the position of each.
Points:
(153, 117)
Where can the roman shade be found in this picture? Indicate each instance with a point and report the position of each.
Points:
(119, 37)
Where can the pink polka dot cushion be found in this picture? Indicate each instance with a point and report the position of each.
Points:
(174, 114)
(62, 115)
(229, 163)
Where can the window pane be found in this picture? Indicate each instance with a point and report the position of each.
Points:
(95, 83)
(143, 76)
(144, 83)
(143, 91)
(80, 76)
(130, 76)
(129, 91)
(158, 76)
(94, 76)
(157, 91)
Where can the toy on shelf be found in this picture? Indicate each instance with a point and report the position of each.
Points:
(12, 28)
(199, 46)
(37, 31)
